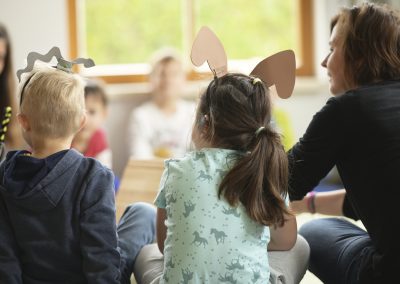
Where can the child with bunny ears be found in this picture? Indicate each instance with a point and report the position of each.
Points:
(223, 207)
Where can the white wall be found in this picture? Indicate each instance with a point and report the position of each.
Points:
(324, 10)
(35, 25)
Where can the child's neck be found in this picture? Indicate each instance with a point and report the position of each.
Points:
(45, 147)
(167, 106)
(81, 141)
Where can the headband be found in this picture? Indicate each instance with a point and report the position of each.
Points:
(278, 69)
(62, 64)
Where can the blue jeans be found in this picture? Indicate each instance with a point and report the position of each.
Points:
(337, 249)
(135, 230)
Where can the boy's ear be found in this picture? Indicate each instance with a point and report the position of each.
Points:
(83, 121)
(24, 122)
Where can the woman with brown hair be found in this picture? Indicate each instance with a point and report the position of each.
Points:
(7, 88)
(358, 131)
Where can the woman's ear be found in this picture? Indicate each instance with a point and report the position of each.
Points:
(24, 122)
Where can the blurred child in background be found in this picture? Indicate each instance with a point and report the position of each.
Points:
(91, 141)
(162, 126)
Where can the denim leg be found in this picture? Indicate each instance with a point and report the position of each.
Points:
(135, 230)
(336, 249)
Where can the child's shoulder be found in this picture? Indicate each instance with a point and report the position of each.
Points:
(74, 163)
(94, 166)
(204, 157)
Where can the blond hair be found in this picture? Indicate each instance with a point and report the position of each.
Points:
(53, 101)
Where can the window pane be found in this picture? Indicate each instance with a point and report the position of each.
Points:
(255, 28)
(129, 31)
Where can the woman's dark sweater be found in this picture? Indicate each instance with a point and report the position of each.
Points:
(359, 132)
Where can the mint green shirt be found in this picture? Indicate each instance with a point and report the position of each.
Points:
(208, 241)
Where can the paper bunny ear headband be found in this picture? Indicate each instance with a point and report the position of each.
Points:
(62, 64)
(278, 69)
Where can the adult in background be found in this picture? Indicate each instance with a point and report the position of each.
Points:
(358, 130)
(7, 89)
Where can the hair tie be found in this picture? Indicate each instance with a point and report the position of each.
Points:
(259, 130)
(256, 80)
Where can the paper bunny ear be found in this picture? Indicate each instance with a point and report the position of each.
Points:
(62, 64)
(279, 70)
(207, 47)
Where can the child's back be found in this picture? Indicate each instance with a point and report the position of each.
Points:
(209, 241)
(54, 210)
(57, 213)
(221, 207)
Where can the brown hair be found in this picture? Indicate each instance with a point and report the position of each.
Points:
(236, 108)
(371, 42)
(7, 89)
(95, 88)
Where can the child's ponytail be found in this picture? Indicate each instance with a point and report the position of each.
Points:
(239, 112)
(259, 180)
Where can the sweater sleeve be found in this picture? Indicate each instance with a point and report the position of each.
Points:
(348, 209)
(101, 259)
(315, 154)
(10, 268)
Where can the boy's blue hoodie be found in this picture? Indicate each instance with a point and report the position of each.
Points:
(57, 220)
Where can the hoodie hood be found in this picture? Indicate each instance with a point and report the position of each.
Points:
(26, 180)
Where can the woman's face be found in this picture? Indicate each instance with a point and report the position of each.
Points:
(3, 53)
(335, 65)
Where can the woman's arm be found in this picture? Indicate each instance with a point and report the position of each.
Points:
(283, 238)
(328, 203)
(161, 228)
(318, 150)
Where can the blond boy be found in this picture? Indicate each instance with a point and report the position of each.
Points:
(57, 213)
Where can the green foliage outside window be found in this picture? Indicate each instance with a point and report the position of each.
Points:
(129, 31)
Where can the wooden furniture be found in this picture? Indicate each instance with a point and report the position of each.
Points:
(140, 182)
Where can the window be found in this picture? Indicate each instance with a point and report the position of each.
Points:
(121, 35)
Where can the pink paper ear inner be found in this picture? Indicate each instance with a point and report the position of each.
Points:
(207, 47)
